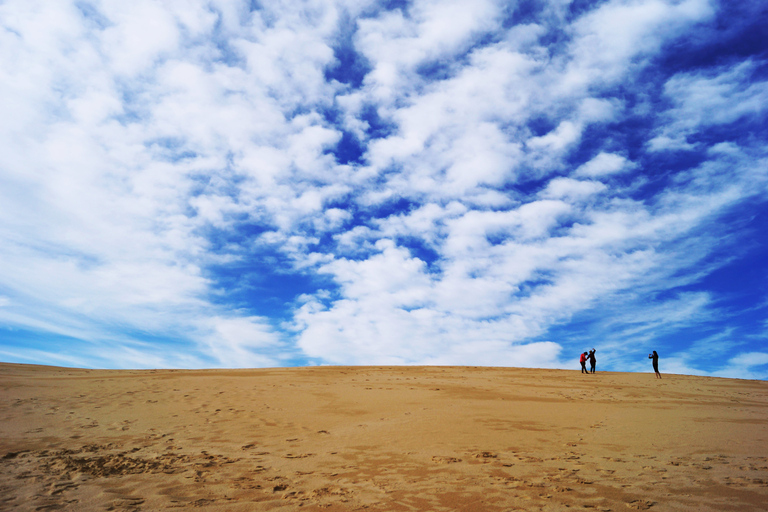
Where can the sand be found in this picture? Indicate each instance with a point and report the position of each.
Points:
(379, 439)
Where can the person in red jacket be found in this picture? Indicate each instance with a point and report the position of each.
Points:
(583, 361)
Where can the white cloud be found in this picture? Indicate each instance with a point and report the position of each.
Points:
(138, 34)
(604, 164)
(115, 177)
(557, 140)
(666, 143)
(570, 189)
(703, 99)
(240, 341)
(396, 43)
(612, 39)
(746, 365)
(750, 359)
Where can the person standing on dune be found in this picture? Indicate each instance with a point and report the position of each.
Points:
(583, 361)
(592, 361)
(655, 358)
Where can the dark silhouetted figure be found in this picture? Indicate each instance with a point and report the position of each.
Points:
(655, 358)
(583, 361)
(592, 361)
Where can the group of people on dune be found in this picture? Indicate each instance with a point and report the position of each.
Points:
(592, 361)
(590, 356)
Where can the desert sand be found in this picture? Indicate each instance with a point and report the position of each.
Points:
(379, 439)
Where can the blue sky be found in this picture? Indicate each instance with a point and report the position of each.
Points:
(253, 184)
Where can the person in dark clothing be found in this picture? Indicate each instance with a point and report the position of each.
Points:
(583, 361)
(655, 358)
(592, 361)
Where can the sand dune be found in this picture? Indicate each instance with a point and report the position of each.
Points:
(380, 439)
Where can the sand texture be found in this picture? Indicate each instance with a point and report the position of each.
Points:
(379, 439)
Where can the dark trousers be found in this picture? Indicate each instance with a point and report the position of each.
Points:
(584, 368)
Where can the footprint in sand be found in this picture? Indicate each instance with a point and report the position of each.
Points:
(441, 459)
(126, 504)
(60, 487)
(641, 504)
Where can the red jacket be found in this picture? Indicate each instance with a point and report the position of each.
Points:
(583, 358)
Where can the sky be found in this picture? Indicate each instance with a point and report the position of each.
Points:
(223, 183)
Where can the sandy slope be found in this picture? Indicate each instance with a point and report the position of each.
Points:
(403, 438)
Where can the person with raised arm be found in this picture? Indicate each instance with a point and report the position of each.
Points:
(655, 358)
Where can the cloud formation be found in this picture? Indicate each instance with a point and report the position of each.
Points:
(218, 183)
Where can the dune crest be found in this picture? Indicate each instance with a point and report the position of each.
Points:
(379, 438)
